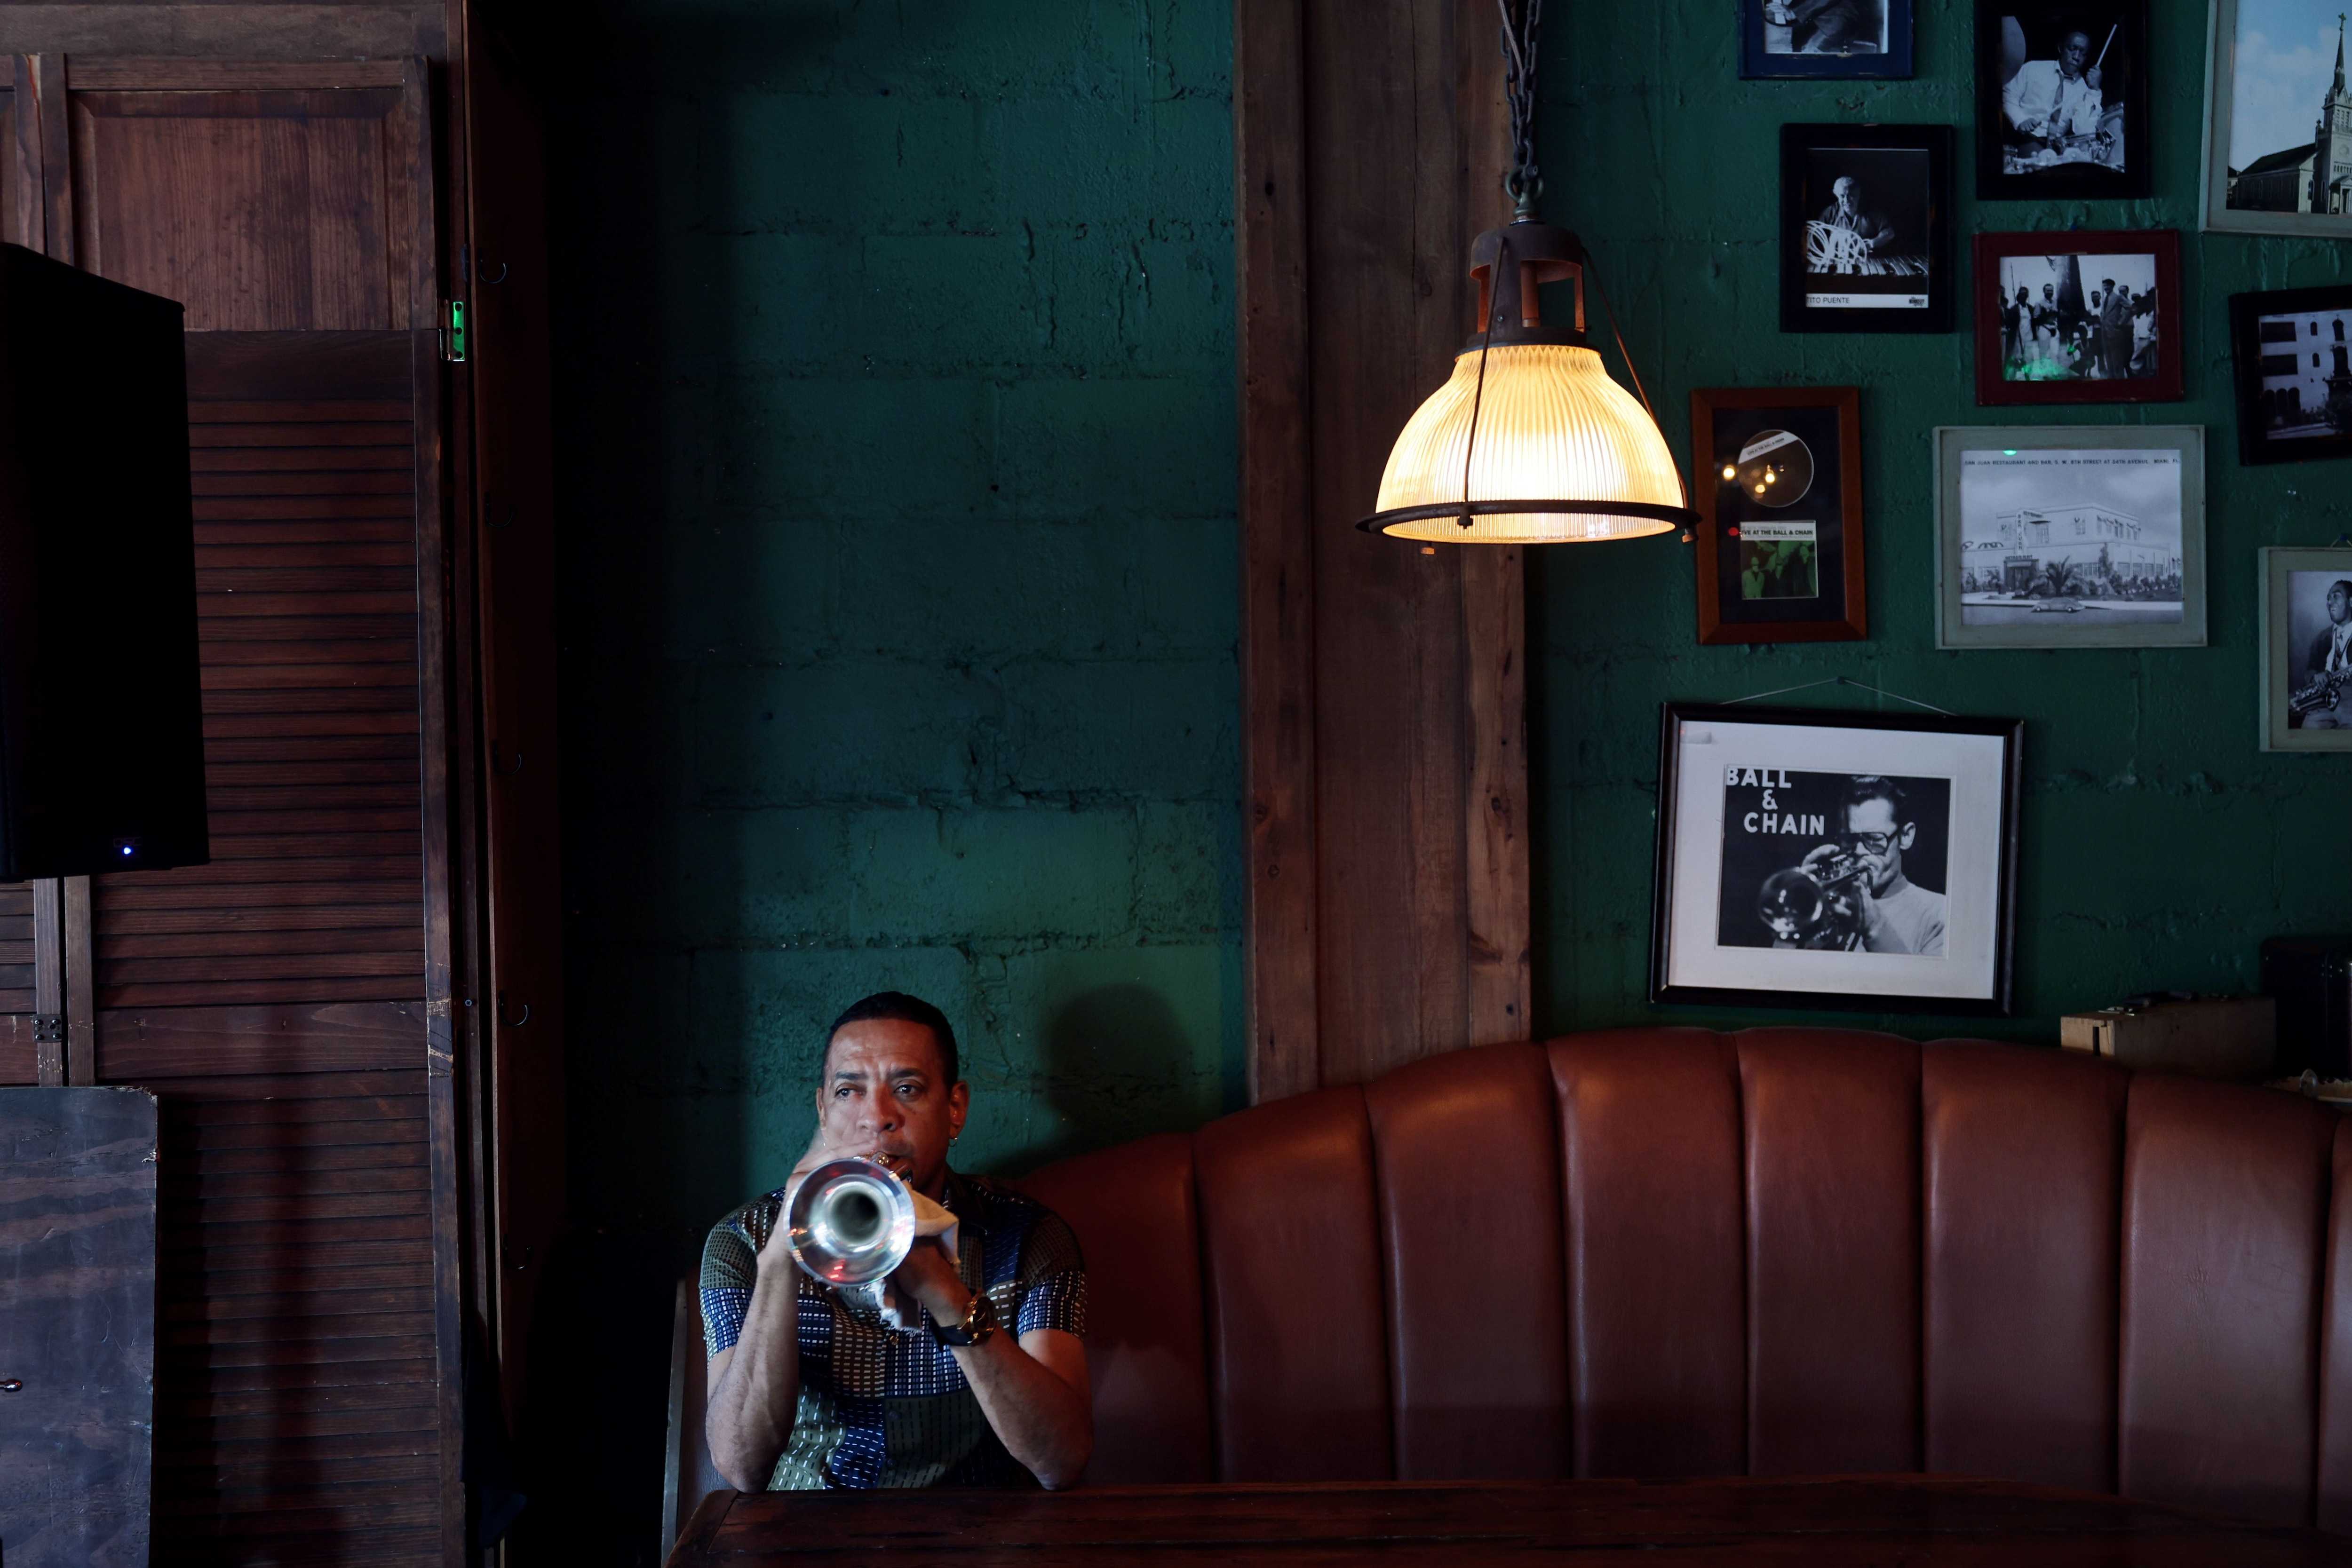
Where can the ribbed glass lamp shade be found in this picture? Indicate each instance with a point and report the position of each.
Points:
(1552, 428)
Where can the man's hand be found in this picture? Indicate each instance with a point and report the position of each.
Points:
(2092, 77)
(930, 1276)
(1877, 935)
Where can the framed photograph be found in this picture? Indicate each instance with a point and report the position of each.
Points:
(1866, 240)
(2291, 351)
(2070, 537)
(1779, 491)
(2066, 316)
(2061, 99)
(2278, 119)
(2306, 660)
(1837, 38)
(1839, 860)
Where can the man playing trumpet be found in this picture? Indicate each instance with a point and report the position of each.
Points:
(812, 1387)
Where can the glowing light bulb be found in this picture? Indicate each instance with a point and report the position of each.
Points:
(1729, 473)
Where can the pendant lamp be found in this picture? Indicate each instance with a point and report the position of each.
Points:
(1529, 442)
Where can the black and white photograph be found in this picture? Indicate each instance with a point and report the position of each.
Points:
(1846, 861)
(2079, 316)
(1818, 858)
(2058, 538)
(2278, 119)
(2307, 664)
(1778, 488)
(1835, 38)
(2291, 351)
(1863, 215)
(2062, 107)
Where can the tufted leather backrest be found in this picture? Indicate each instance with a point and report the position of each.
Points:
(1669, 1251)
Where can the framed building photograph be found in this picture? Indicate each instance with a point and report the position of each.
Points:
(1778, 485)
(2065, 317)
(2278, 119)
(2062, 100)
(2291, 354)
(2306, 655)
(1817, 38)
(2070, 537)
(1844, 860)
(1865, 213)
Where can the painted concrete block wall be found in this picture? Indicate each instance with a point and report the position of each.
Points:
(2159, 844)
(897, 403)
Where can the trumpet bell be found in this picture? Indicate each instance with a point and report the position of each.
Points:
(851, 1221)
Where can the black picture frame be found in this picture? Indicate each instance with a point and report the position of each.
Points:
(2262, 420)
(1820, 60)
(2017, 37)
(1888, 267)
(1994, 997)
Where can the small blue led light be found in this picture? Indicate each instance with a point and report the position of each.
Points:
(126, 849)
(2009, 452)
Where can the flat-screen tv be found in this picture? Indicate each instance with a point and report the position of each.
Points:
(101, 728)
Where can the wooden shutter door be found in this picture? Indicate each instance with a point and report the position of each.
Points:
(20, 192)
(276, 1001)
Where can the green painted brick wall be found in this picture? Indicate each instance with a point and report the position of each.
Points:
(896, 395)
(2160, 846)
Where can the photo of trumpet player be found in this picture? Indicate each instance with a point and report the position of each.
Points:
(882, 1320)
(1851, 862)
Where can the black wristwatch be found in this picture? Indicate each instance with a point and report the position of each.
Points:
(979, 1322)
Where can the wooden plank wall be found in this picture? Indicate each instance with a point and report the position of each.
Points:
(275, 1000)
(1385, 716)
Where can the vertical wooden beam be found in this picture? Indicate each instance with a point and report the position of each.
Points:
(1387, 738)
(81, 980)
(48, 982)
(1493, 629)
(1277, 544)
(27, 220)
(47, 110)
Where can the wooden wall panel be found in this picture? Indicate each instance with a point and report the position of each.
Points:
(275, 999)
(1370, 143)
(154, 170)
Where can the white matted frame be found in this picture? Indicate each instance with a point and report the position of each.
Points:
(1701, 747)
(1952, 441)
(2221, 88)
(2284, 667)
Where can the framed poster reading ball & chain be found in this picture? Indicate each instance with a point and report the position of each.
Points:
(1779, 491)
(1835, 859)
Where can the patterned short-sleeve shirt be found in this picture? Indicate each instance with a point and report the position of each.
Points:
(881, 1408)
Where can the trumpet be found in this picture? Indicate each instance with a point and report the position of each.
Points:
(851, 1221)
(1799, 905)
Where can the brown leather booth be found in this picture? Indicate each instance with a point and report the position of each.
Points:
(1675, 1252)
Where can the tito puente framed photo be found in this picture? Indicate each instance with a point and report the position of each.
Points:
(1865, 228)
(1835, 859)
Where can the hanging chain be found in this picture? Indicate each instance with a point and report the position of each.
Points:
(1520, 28)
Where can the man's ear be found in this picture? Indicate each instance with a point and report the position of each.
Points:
(959, 1107)
(1910, 832)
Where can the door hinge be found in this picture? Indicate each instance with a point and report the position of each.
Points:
(452, 331)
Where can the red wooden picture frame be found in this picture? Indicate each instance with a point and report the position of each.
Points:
(2167, 384)
(1844, 405)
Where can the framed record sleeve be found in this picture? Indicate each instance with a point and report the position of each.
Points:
(1779, 491)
